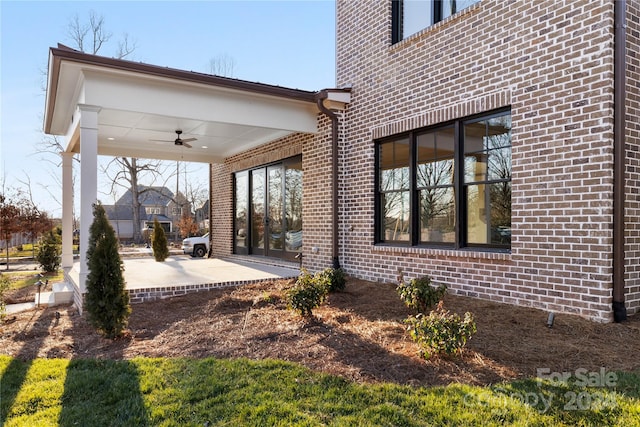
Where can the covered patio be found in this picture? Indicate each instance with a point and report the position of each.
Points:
(113, 107)
(148, 280)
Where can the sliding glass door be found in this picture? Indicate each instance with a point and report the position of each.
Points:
(268, 210)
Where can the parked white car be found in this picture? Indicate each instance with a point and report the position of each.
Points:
(196, 246)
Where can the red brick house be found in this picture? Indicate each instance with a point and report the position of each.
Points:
(492, 145)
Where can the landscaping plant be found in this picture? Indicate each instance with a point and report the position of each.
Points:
(419, 295)
(309, 291)
(440, 331)
(48, 255)
(107, 300)
(336, 279)
(159, 242)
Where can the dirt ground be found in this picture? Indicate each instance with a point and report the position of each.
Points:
(358, 334)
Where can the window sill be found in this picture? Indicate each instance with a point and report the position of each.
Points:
(475, 253)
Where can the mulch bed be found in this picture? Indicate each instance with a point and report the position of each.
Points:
(358, 335)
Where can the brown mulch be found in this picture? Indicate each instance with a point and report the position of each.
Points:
(358, 334)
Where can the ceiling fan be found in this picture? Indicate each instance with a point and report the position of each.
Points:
(178, 141)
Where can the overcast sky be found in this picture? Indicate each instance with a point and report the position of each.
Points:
(285, 43)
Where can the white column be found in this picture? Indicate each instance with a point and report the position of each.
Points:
(88, 181)
(67, 210)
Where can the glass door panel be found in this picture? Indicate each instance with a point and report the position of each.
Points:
(268, 210)
(275, 209)
(241, 212)
(257, 211)
(293, 205)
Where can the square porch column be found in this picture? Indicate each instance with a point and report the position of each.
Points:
(67, 210)
(88, 184)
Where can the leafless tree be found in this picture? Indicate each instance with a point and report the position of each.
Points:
(222, 65)
(127, 173)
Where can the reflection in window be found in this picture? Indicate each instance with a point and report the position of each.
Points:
(275, 207)
(412, 16)
(487, 178)
(435, 185)
(242, 212)
(448, 185)
(293, 206)
(257, 208)
(394, 186)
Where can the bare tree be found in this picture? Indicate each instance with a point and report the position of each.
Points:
(222, 65)
(127, 173)
(9, 222)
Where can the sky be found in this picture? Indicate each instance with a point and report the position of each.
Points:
(285, 43)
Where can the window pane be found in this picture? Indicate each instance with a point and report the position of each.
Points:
(489, 214)
(475, 168)
(275, 207)
(394, 165)
(449, 7)
(499, 164)
(293, 206)
(242, 201)
(487, 148)
(257, 208)
(435, 158)
(437, 215)
(417, 15)
(395, 216)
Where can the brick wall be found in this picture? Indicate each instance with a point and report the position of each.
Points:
(632, 205)
(552, 62)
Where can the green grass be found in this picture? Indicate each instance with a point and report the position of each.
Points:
(185, 392)
(21, 279)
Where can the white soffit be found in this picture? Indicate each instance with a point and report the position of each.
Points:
(137, 108)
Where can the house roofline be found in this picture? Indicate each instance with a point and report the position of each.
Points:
(62, 53)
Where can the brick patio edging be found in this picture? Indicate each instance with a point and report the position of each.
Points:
(137, 296)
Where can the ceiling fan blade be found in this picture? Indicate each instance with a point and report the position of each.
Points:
(186, 144)
(189, 139)
(160, 140)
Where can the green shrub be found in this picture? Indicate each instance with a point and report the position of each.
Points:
(336, 279)
(440, 331)
(48, 255)
(308, 293)
(4, 285)
(419, 295)
(159, 242)
(107, 300)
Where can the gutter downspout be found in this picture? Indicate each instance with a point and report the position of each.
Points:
(320, 98)
(619, 114)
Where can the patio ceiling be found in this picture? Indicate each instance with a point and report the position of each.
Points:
(141, 103)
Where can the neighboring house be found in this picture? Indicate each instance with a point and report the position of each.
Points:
(155, 202)
(202, 216)
(492, 145)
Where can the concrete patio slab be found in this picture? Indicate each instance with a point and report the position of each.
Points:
(141, 273)
(147, 279)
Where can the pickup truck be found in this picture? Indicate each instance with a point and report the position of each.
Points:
(196, 246)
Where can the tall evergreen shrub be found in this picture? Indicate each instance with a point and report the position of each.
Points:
(159, 242)
(107, 301)
(48, 255)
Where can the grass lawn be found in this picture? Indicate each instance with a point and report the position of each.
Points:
(21, 279)
(198, 392)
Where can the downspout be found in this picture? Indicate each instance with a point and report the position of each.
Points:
(320, 98)
(619, 112)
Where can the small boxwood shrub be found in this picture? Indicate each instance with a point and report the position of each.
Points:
(419, 295)
(336, 279)
(440, 331)
(308, 292)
